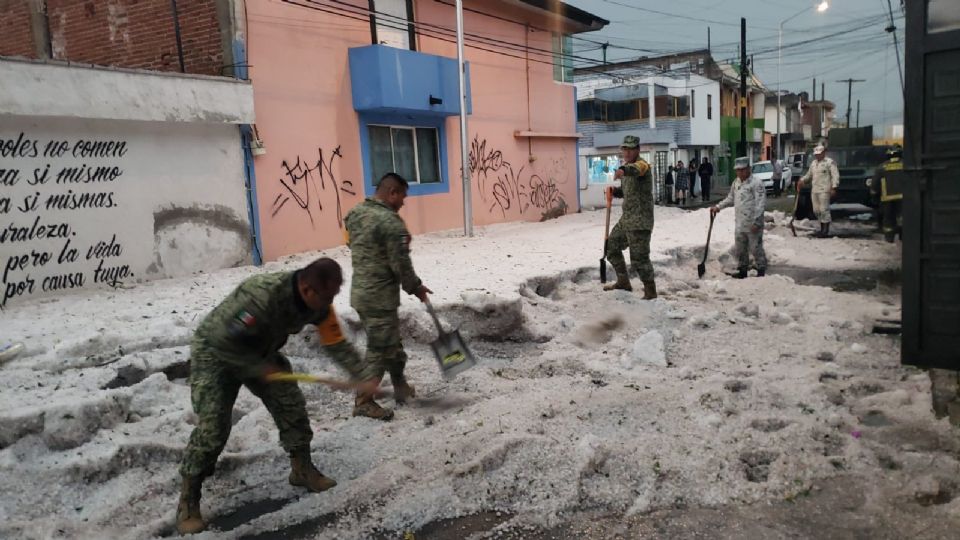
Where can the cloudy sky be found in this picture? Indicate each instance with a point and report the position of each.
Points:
(846, 41)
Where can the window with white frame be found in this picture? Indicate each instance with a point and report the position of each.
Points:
(411, 152)
(393, 21)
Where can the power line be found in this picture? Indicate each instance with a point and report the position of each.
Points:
(685, 17)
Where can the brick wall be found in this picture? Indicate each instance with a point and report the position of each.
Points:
(16, 35)
(125, 33)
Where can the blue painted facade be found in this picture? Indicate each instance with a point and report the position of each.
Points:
(399, 87)
(390, 80)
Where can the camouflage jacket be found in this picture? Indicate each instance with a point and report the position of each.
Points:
(824, 174)
(380, 246)
(637, 193)
(253, 323)
(748, 197)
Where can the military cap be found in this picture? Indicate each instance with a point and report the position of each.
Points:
(630, 141)
(741, 163)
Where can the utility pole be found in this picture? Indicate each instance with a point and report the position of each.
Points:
(850, 96)
(464, 156)
(604, 47)
(744, 73)
(858, 113)
(813, 95)
(892, 29)
(708, 40)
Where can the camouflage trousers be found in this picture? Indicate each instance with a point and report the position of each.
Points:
(747, 243)
(214, 385)
(639, 244)
(385, 352)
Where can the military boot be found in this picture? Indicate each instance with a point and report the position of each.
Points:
(826, 230)
(649, 290)
(402, 390)
(761, 272)
(366, 406)
(622, 283)
(741, 273)
(304, 474)
(189, 520)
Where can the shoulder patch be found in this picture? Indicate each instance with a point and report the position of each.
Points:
(242, 322)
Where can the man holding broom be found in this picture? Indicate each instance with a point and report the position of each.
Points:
(636, 224)
(238, 344)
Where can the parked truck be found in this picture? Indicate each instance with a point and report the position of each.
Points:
(857, 160)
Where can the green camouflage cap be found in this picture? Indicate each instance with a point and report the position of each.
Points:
(742, 163)
(630, 141)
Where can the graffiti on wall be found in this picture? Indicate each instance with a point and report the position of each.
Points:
(506, 188)
(303, 182)
(48, 189)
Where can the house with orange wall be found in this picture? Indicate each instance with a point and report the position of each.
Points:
(346, 90)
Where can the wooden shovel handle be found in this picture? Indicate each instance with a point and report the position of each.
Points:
(306, 377)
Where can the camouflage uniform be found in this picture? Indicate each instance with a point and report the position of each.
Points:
(825, 177)
(748, 197)
(231, 348)
(636, 224)
(380, 247)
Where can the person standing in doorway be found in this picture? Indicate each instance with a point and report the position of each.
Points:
(692, 170)
(748, 197)
(706, 174)
(668, 184)
(682, 183)
(824, 178)
(636, 224)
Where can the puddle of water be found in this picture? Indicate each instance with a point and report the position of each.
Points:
(841, 281)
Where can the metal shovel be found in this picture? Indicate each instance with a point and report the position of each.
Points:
(450, 349)
(702, 267)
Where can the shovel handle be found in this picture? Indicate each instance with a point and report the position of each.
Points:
(706, 248)
(433, 314)
(306, 377)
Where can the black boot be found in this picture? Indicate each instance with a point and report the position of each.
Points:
(761, 272)
(741, 273)
(826, 230)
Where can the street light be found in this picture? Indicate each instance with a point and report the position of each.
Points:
(821, 7)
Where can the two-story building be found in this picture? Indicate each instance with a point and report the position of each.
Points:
(802, 122)
(675, 117)
(344, 93)
(700, 62)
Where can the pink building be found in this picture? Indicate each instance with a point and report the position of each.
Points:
(335, 112)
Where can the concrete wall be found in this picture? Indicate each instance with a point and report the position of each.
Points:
(705, 131)
(312, 173)
(56, 89)
(90, 201)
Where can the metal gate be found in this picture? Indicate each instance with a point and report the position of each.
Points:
(931, 213)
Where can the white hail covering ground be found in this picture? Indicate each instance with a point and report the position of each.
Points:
(763, 394)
